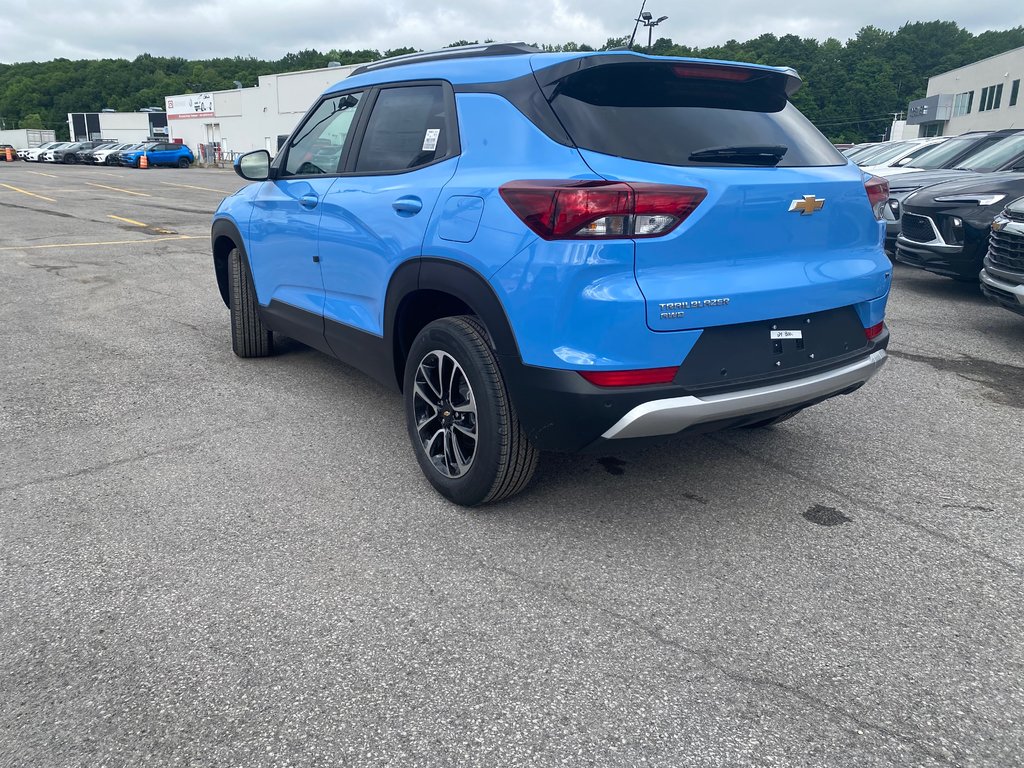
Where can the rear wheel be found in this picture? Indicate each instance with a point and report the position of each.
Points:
(249, 337)
(461, 421)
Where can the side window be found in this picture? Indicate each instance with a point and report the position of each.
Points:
(318, 145)
(407, 128)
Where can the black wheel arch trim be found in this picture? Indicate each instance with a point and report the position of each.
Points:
(224, 229)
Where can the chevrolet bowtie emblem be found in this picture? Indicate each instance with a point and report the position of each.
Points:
(998, 225)
(808, 205)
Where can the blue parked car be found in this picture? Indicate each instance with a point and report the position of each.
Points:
(159, 153)
(561, 251)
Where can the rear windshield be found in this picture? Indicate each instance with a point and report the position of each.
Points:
(664, 112)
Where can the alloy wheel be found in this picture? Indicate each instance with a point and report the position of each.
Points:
(445, 411)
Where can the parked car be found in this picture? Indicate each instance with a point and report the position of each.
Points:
(894, 159)
(3, 152)
(33, 155)
(69, 154)
(159, 153)
(530, 247)
(1002, 277)
(98, 155)
(113, 156)
(1007, 153)
(85, 153)
(858, 149)
(948, 154)
(945, 227)
(884, 149)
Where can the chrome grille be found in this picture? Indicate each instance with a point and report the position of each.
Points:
(1006, 249)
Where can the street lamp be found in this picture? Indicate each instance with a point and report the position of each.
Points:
(648, 20)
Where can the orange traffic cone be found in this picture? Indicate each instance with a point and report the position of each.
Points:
(143, 161)
(10, 155)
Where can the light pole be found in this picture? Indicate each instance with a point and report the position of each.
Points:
(648, 20)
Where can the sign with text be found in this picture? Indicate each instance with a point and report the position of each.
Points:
(189, 105)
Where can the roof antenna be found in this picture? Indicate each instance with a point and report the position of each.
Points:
(636, 26)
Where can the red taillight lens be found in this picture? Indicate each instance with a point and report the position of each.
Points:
(630, 378)
(878, 192)
(588, 210)
(735, 74)
(874, 331)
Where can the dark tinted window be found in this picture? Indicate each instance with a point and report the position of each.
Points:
(407, 129)
(662, 113)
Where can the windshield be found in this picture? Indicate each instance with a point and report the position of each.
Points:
(938, 156)
(994, 157)
(885, 154)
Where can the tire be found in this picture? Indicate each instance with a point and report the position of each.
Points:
(69, 159)
(499, 461)
(249, 337)
(183, 162)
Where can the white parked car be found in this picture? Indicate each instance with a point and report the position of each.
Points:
(32, 154)
(896, 157)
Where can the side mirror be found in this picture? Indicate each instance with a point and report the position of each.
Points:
(254, 166)
(904, 161)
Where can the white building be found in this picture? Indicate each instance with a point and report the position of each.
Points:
(243, 119)
(122, 126)
(985, 95)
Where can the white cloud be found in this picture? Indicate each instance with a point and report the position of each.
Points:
(195, 29)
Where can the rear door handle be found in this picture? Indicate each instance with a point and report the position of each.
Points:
(309, 201)
(408, 205)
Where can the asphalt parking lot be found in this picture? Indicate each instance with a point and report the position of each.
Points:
(221, 562)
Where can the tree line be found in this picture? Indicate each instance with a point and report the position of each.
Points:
(850, 89)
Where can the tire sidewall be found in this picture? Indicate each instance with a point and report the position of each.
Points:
(473, 487)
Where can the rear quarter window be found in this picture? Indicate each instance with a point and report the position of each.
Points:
(664, 112)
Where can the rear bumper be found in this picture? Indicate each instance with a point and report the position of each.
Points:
(561, 411)
(675, 414)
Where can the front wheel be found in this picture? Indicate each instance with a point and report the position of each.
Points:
(461, 421)
(249, 337)
(183, 162)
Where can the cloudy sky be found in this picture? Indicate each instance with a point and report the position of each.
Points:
(39, 31)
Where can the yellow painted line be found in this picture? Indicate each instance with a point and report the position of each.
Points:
(190, 186)
(30, 194)
(129, 221)
(40, 173)
(108, 242)
(117, 189)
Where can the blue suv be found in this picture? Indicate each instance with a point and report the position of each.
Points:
(159, 153)
(561, 251)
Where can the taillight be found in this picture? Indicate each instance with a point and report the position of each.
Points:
(630, 378)
(874, 331)
(878, 192)
(600, 210)
(736, 74)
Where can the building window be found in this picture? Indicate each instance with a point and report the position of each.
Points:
(999, 96)
(962, 103)
(930, 129)
(983, 101)
(1014, 91)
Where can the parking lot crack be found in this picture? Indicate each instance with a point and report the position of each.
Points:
(660, 637)
(945, 538)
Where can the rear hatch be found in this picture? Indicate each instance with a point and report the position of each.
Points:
(786, 227)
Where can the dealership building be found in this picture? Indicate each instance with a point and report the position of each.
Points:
(122, 127)
(983, 96)
(243, 119)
